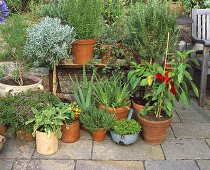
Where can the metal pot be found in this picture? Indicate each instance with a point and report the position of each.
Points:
(124, 139)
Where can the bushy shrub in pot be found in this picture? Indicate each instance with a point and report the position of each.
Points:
(16, 110)
(113, 94)
(86, 17)
(47, 129)
(97, 121)
(71, 128)
(47, 43)
(166, 86)
(14, 34)
(125, 131)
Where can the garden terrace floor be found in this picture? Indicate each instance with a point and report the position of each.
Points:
(187, 147)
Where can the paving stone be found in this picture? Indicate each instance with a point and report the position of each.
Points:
(51, 164)
(204, 164)
(108, 150)
(208, 141)
(186, 149)
(6, 164)
(16, 148)
(109, 165)
(175, 117)
(191, 115)
(171, 165)
(20, 164)
(191, 130)
(170, 134)
(78, 150)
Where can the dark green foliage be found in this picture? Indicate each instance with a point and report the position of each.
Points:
(148, 25)
(94, 119)
(16, 110)
(126, 127)
(112, 91)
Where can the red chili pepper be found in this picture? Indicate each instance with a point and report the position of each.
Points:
(160, 77)
(173, 90)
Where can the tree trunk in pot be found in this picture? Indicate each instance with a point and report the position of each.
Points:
(46, 145)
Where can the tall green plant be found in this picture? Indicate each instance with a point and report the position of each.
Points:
(14, 34)
(82, 90)
(86, 17)
(147, 26)
(112, 91)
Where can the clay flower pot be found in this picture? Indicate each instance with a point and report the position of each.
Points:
(3, 129)
(120, 113)
(154, 132)
(25, 136)
(106, 53)
(83, 50)
(136, 108)
(72, 133)
(98, 135)
(46, 145)
(176, 7)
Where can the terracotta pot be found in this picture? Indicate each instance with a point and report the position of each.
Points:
(25, 136)
(3, 129)
(83, 50)
(120, 113)
(136, 108)
(72, 134)
(99, 135)
(154, 132)
(106, 53)
(2, 140)
(46, 145)
(176, 7)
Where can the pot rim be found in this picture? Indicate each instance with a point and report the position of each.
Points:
(85, 41)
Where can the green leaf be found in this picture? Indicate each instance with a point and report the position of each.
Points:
(195, 89)
(161, 88)
(144, 82)
(184, 98)
(169, 105)
(189, 77)
(180, 77)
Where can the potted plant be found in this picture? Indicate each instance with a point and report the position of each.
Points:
(147, 26)
(97, 121)
(48, 42)
(125, 131)
(86, 17)
(47, 129)
(70, 129)
(15, 112)
(14, 34)
(113, 94)
(165, 87)
(82, 90)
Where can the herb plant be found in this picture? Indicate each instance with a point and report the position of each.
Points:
(112, 91)
(48, 120)
(94, 119)
(126, 127)
(48, 42)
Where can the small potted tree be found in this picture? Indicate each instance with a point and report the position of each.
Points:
(86, 17)
(125, 131)
(47, 129)
(14, 34)
(97, 121)
(70, 129)
(113, 94)
(48, 42)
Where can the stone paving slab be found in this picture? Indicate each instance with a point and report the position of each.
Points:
(186, 149)
(171, 165)
(109, 165)
(6, 164)
(78, 150)
(51, 165)
(170, 134)
(16, 148)
(20, 164)
(108, 150)
(208, 141)
(191, 130)
(204, 164)
(175, 117)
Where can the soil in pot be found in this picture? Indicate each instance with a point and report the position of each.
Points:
(72, 133)
(120, 113)
(25, 136)
(98, 135)
(154, 129)
(3, 129)
(83, 51)
(46, 145)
